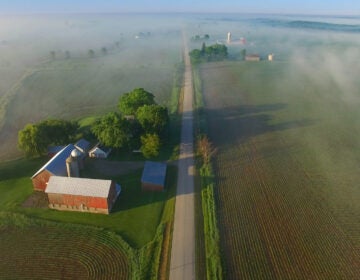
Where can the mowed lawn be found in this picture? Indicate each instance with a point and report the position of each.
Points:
(135, 216)
(287, 170)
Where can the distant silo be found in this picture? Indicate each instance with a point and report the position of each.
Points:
(72, 164)
(271, 57)
(229, 37)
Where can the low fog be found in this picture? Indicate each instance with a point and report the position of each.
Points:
(147, 48)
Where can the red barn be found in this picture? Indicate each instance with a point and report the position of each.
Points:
(82, 194)
(55, 166)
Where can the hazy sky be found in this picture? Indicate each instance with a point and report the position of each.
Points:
(241, 6)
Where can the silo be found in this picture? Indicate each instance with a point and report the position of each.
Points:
(72, 164)
(229, 37)
(271, 57)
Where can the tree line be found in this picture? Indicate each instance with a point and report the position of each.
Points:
(138, 123)
(215, 52)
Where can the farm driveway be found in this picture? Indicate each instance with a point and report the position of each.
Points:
(182, 264)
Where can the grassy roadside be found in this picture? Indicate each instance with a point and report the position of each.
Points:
(208, 251)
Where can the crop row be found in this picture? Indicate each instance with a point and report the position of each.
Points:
(61, 253)
(275, 223)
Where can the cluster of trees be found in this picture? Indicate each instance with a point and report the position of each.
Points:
(200, 37)
(215, 52)
(140, 122)
(35, 138)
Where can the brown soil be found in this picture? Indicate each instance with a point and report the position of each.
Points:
(36, 200)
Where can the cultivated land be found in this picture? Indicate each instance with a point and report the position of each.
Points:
(83, 88)
(286, 171)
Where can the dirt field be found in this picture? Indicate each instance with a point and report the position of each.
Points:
(280, 215)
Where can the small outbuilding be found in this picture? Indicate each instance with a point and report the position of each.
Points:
(99, 151)
(56, 166)
(82, 194)
(252, 57)
(153, 176)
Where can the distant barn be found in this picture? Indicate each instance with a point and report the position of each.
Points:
(55, 166)
(81, 194)
(153, 176)
(252, 57)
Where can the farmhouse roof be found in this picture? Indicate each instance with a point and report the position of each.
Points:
(154, 173)
(82, 145)
(57, 164)
(54, 149)
(79, 186)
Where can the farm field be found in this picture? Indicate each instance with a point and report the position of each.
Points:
(55, 251)
(287, 177)
(37, 86)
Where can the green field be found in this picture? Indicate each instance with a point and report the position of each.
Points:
(286, 169)
(82, 86)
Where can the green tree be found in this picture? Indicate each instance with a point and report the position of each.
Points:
(31, 141)
(91, 53)
(150, 145)
(153, 118)
(243, 54)
(131, 101)
(58, 132)
(35, 138)
(53, 55)
(112, 130)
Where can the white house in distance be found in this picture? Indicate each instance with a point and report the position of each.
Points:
(99, 151)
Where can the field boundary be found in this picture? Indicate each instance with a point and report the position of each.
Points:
(210, 231)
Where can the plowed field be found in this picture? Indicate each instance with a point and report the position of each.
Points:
(286, 173)
(54, 251)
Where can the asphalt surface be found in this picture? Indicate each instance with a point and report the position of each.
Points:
(182, 265)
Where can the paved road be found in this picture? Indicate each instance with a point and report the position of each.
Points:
(182, 265)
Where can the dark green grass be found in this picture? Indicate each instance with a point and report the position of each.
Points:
(135, 216)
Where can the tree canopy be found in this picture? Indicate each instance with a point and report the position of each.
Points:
(150, 145)
(35, 138)
(211, 53)
(153, 118)
(112, 130)
(131, 101)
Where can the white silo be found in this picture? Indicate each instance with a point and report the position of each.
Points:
(229, 37)
(271, 57)
(72, 164)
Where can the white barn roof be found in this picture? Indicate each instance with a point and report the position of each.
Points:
(78, 186)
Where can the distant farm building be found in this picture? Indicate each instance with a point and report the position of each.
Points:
(252, 57)
(271, 57)
(229, 37)
(153, 176)
(56, 166)
(80, 194)
(99, 151)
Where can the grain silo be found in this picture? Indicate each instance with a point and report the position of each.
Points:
(72, 164)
